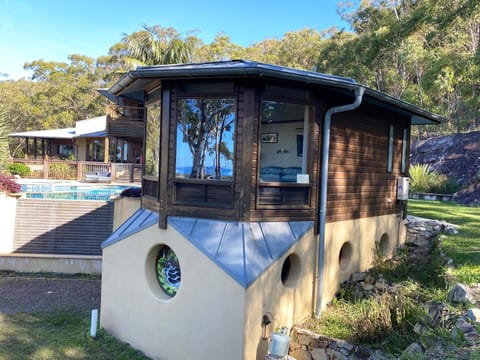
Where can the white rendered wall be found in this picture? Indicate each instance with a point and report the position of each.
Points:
(203, 321)
(8, 207)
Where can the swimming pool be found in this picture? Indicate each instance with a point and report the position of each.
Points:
(65, 191)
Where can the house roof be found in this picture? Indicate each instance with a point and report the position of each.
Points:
(67, 133)
(133, 83)
(94, 127)
(244, 250)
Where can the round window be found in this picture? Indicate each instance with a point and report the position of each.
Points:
(168, 270)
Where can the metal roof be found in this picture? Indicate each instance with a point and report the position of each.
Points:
(67, 133)
(94, 127)
(243, 250)
(133, 83)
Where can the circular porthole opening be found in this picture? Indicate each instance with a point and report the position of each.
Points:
(167, 270)
(383, 246)
(291, 270)
(345, 256)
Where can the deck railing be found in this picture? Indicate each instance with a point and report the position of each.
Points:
(88, 171)
(120, 112)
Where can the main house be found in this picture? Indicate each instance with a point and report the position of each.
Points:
(264, 188)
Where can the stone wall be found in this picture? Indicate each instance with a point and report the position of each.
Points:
(306, 345)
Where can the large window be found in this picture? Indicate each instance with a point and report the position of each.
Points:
(284, 178)
(205, 138)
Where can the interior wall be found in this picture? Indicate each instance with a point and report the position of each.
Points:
(286, 140)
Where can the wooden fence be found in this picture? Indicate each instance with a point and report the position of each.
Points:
(87, 171)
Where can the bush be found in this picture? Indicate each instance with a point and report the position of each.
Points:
(19, 169)
(425, 180)
(61, 171)
(8, 184)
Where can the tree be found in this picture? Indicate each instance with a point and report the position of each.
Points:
(155, 45)
(4, 131)
(203, 123)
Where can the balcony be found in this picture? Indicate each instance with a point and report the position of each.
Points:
(125, 121)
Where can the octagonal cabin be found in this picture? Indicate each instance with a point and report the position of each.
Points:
(268, 184)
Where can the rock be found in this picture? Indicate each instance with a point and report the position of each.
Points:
(420, 328)
(412, 350)
(358, 276)
(337, 355)
(366, 286)
(469, 332)
(461, 293)
(378, 355)
(474, 315)
(438, 313)
(319, 354)
(301, 355)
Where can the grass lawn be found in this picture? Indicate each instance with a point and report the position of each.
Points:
(463, 248)
(62, 335)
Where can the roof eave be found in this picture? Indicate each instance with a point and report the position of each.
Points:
(242, 68)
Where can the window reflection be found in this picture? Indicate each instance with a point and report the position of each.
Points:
(152, 139)
(283, 129)
(205, 138)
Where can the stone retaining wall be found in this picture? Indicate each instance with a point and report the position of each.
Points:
(307, 345)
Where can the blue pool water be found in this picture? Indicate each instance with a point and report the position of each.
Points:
(71, 192)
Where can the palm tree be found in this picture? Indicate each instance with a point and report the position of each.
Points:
(156, 45)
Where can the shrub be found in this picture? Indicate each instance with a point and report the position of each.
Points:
(425, 180)
(61, 171)
(19, 169)
(8, 184)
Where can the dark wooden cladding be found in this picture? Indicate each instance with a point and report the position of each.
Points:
(284, 196)
(150, 187)
(204, 193)
(359, 184)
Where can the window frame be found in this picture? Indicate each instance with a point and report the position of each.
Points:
(391, 140)
(204, 184)
(282, 187)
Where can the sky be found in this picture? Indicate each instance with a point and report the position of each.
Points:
(53, 29)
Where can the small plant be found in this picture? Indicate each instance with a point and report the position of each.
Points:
(425, 180)
(8, 184)
(19, 169)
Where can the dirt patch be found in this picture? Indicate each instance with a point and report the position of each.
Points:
(23, 294)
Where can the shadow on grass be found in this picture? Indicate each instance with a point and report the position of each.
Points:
(64, 334)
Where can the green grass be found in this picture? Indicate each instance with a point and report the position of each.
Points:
(387, 321)
(463, 248)
(61, 335)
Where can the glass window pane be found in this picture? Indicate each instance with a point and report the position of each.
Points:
(205, 138)
(390, 150)
(152, 139)
(404, 151)
(283, 149)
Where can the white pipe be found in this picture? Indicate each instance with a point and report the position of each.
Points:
(323, 191)
(93, 323)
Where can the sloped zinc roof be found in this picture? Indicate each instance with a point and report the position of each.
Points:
(243, 250)
(134, 82)
(94, 127)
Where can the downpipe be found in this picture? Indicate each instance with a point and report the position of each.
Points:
(317, 301)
